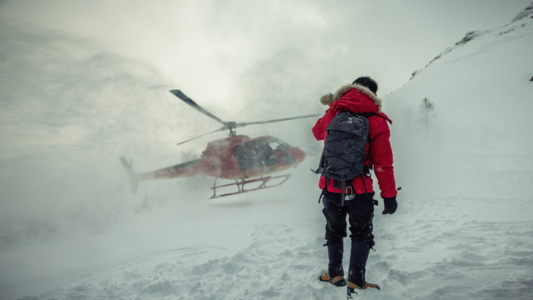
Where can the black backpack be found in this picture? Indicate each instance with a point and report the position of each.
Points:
(344, 156)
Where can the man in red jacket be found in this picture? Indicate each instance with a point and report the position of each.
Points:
(360, 98)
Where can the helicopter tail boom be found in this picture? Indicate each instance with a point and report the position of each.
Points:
(188, 169)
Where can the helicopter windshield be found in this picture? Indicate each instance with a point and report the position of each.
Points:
(278, 145)
(255, 154)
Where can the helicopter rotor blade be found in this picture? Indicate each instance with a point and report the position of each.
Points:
(201, 136)
(272, 121)
(193, 104)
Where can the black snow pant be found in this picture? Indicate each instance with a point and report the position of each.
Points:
(360, 214)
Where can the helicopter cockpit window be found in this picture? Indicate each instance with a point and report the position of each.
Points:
(255, 154)
(278, 145)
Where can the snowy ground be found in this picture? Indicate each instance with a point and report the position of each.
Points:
(464, 227)
(440, 247)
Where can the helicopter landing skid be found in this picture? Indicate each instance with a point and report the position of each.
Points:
(241, 182)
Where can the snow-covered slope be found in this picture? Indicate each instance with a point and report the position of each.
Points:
(480, 90)
(464, 228)
(467, 170)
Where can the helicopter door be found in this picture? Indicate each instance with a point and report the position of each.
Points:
(254, 155)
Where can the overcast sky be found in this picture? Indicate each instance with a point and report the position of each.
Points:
(198, 43)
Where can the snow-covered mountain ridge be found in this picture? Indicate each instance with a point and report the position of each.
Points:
(471, 35)
(484, 77)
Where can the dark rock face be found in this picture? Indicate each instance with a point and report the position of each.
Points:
(531, 78)
(528, 12)
(470, 36)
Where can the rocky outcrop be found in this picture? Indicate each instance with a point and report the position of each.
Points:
(526, 13)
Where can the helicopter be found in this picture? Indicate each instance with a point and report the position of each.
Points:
(238, 157)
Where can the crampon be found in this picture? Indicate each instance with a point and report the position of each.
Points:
(352, 287)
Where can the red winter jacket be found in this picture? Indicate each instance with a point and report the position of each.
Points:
(359, 99)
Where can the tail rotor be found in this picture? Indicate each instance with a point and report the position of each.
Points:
(134, 181)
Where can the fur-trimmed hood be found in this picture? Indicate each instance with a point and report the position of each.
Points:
(330, 98)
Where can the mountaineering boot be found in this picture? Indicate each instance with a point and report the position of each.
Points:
(357, 270)
(358, 258)
(335, 273)
(351, 286)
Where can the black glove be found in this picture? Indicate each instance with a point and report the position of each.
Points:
(390, 205)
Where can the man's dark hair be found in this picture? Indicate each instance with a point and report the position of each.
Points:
(367, 82)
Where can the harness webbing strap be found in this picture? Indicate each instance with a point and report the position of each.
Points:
(342, 195)
(364, 182)
(323, 190)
